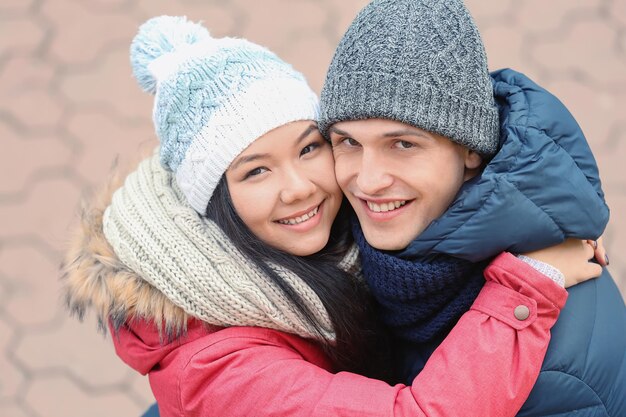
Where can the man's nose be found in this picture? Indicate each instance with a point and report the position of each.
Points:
(374, 173)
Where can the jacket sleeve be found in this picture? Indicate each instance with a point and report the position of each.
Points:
(584, 372)
(486, 366)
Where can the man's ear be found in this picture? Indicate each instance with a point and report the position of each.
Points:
(473, 159)
(473, 163)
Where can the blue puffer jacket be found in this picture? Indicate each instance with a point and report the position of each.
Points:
(541, 187)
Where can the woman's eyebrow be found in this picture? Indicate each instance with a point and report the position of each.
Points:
(306, 133)
(248, 158)
(253, 157)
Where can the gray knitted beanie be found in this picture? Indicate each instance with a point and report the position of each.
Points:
(420, 62)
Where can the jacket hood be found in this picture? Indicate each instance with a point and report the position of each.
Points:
(140, 345)
(541, 187)
(93, 277)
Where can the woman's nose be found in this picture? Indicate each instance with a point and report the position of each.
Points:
(297, 186)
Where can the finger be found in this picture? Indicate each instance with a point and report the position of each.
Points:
(600, 253)
(595, 246)
(593, 270)
(601, 257)
(588, 248)
(588, 272)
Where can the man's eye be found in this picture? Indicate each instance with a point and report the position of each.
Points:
(403, 144)
(349, 142)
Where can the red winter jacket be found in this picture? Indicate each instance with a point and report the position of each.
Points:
(486, 367)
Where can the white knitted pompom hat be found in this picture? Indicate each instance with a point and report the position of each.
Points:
(214, 97)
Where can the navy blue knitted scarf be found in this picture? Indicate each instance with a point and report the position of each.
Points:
(419, 299)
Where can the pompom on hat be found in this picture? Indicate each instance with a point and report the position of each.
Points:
(213, 98)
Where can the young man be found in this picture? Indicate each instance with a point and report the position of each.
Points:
(442, 177)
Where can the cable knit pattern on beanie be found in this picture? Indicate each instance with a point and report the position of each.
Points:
(213, 98)
(420, 62)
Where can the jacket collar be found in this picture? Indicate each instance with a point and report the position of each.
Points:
(540, 188)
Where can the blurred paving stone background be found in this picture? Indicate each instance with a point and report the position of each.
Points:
(69, 107)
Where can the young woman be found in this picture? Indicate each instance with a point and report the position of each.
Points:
(224, 273)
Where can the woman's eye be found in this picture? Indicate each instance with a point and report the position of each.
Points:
(309, 148)
(255, 171)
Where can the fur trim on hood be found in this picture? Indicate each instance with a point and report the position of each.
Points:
(93, 277)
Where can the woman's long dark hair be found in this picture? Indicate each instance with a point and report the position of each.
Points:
(360, 344)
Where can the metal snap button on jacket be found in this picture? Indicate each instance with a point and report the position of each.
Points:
(521, 312)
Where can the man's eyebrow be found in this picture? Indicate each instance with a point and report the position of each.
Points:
(405, 132)
(401, 132)
(339, 131)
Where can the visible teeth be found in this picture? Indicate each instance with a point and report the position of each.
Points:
(392, 205)
(300, 219)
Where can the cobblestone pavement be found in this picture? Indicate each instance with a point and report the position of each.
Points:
(69, 107)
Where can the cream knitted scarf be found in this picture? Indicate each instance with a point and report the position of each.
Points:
(188, 258)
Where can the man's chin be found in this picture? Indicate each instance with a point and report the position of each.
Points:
(387, 240)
